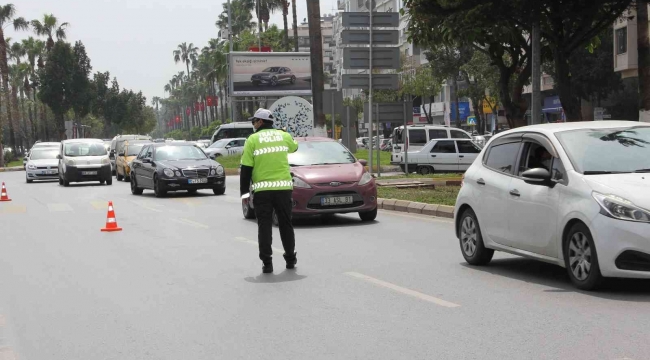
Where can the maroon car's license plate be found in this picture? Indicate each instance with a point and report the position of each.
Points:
(336, 200)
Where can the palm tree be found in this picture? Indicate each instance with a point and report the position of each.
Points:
(295, 26)
(241, 16)
(7, 18)
(17, 52)
(155, 101)
(285, 14)
(50, 27)
(187, 54)
(35, 49)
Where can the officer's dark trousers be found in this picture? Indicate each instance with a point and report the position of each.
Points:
(265, 202)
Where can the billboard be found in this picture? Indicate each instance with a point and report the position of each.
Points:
(270, 74)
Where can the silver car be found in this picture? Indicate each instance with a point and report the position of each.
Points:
(37, 146)
(42, 164)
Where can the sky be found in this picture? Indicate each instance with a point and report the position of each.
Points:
(134, 39)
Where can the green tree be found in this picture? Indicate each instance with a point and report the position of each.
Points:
(420, 82)
(82, 91)
(482, 78)
(242, 19)
(57, 78)
(565, 28)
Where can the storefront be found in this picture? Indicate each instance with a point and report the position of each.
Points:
(436, 111)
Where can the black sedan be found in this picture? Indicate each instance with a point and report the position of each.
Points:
(164, 167)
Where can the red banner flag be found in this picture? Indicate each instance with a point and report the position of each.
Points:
(178, 119)
(209, 100)
(197, 106)
(202, 107)
(188, 111)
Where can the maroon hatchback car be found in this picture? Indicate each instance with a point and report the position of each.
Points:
(327, 179)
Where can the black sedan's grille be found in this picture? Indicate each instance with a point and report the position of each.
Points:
(196, 173)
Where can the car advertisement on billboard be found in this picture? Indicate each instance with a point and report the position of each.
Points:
(270, 74)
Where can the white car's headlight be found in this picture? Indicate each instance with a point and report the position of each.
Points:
(300, 183)
(70, 162)
(168, 172)
(620, 208)
(219, 170)
(106, 161)
(31, 167)
(365, 178)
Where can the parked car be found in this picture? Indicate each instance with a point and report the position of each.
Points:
(327, 179)
(173, 167)
(203, 144)
(419, 136)
(443, 155)
(571, 194)
(273, 76)
(42, 164)
(130, 149)
(83, 160)
(233, 130)
(225, 147)
(39, 145)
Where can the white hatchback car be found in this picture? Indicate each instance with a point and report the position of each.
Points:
(572, 194)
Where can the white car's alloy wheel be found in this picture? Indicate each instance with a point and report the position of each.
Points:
(580, 256)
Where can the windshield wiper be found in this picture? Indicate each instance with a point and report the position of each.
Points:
(642, 171)
(603, 172)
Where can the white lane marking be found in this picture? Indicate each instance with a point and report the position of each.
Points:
(99, 204)
(404, 291)
(251, 242)
(191, 223)
(59, 207)
(140, 204)
(416, 216)
(2, 320)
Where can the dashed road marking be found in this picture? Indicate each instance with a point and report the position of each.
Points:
(7, 353)
(403, 290)
(251, 242)
(145, 206)
(3, 322)
(99, 205)
(191, 223)
(13, 209)
(59, 207)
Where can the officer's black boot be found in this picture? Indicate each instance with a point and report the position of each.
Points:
(291, 260)
(267, 268)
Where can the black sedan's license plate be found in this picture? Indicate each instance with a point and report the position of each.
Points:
(336, 200)
(197, 181)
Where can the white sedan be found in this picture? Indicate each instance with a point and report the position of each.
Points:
(443, 155)
(226, 147)
(571, 194)
(42, 164)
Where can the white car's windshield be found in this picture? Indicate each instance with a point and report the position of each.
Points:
(179, 153)
(320, 153)
(603, 151)
(44, 154)
(85, 149)
(219, 144)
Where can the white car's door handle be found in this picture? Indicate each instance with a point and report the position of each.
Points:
(515, 192)
(480, 181)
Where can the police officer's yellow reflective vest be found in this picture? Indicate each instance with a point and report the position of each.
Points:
(266, 152)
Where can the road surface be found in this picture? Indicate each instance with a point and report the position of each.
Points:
(183, 281)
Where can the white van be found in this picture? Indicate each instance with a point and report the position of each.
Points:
(420, 135)
(233, 130)
(82, 160)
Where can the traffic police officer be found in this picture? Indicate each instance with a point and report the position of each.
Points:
(265, 161)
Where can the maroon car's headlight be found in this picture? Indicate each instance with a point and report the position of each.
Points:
(365, 178)
(300, 183)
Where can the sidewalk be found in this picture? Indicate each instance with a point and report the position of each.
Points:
(13, 168)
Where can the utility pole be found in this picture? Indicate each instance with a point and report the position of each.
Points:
(317, 84)
(536, 100)
(232, 105)
(643, 47)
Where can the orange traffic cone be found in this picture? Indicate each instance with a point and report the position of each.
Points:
(111, 222)
(3, 193)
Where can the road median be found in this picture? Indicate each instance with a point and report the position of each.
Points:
(13, 168)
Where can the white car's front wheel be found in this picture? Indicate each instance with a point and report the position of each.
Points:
(581, 258)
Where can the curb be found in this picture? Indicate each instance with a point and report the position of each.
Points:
(14, 168)
(412, 207)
